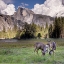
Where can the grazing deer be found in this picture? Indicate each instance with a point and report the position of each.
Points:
(47, 48)
(52, 47)
(40, 46)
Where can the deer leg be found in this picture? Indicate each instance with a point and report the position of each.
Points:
(35, 49)
(50, 52)
(53, 52)
(43, 52)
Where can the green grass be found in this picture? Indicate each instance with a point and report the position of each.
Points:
(28, 56)
(22, 52)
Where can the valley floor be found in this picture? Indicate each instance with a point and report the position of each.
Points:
(23, 53)
(28, 56)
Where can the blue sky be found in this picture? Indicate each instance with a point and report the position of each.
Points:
(30, 3)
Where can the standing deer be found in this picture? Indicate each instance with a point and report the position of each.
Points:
(40, 46)
(52, 47)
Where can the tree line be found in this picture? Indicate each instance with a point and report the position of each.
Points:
(28, 31)
(56, 30)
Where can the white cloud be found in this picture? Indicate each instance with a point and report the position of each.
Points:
(8, 9)
(50, 8)
(2, 5)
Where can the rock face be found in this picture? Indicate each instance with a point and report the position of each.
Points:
(26, 15)
(42, 19)
(23, 15)
(6, 21)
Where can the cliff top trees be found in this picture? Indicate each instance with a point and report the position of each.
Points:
(57, 27)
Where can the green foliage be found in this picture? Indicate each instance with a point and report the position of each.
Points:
(9, 33)
(39, 35)
(32, 30)
(46, 27)
(29, 31)
(33, 27)
(50, 30)
(57, 29)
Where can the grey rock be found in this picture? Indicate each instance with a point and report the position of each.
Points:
(21, 16)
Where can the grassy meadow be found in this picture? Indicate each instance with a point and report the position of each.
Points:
(22, 52)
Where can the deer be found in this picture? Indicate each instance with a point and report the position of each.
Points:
(49, 47)
(52, 47)
(40, 46)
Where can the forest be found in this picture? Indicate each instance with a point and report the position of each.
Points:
(55, 30)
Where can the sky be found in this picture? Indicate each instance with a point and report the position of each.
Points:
(45, 7)
(30, 3)
(10, 6)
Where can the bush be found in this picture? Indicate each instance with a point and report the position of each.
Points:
(39, 35)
